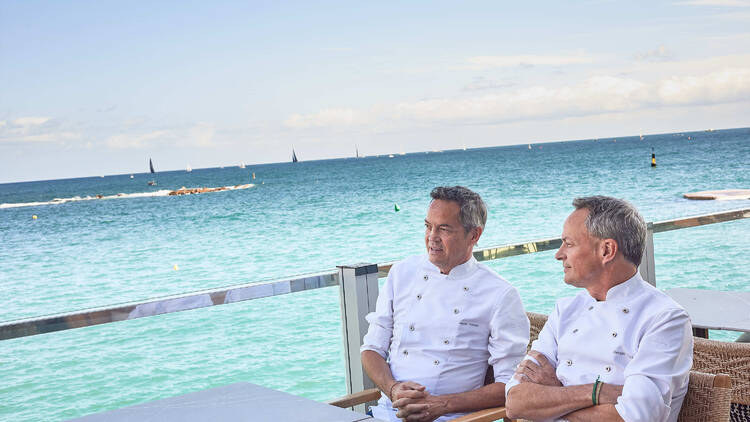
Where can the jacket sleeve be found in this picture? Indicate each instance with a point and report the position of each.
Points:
(380, 330)
(509, 335)
(659, 370)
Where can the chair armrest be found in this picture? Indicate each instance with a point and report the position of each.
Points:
(708, 398)
(354, 399)
(484, 415)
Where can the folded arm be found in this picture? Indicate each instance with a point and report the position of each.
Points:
(540, 395)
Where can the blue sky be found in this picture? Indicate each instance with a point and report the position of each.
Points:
(97, 87)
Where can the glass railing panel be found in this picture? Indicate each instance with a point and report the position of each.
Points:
(290, 343)
(704, 257)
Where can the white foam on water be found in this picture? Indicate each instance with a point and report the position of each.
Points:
(163, 192)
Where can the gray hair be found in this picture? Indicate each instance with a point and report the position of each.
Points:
(473, 211)
(612, 218)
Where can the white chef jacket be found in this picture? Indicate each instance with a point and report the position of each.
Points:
(442, 330)
(637, 337)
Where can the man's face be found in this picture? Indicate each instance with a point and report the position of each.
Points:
(448, 244)
(579, 251)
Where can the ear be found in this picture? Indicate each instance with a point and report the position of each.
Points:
(475, 233)
(608, 250)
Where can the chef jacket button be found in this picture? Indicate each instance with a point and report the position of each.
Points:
(466, 289)
(575, 330)
(591, 307)
(436, 362)
(625, 310)
(419, 297)
(446, 341)
(411, 327)
(569, 362)
(614, 333)
(425, 277)
(406, 353)
(455, 311)
(608, 368)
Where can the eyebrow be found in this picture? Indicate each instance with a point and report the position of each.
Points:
(439, 225)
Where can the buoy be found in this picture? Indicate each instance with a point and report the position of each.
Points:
(396, 208)
(653, 158)
(33, 217)
(176, 267)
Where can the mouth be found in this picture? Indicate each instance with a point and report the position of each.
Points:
(434, 249)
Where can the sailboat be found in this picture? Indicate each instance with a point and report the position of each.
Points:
(294, 156)
(151, 167)
(189, 169)
(356, 151)
(242, 164)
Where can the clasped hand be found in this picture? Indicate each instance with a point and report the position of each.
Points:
(542, 373)
(415, 403)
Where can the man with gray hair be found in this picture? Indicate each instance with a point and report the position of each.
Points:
(444, 323)
(618, 350)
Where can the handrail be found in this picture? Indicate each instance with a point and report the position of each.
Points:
(164, 305)
(248, 291)
(701, 220)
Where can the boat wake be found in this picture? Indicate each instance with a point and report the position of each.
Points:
(163, 192)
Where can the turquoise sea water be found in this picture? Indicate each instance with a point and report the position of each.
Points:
(307, 217)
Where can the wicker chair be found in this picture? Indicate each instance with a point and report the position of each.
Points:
(719, 357)
(537, 322)
(707, 399)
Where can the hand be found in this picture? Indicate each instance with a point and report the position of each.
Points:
(407, 389)
(415, 408)
(543, 373)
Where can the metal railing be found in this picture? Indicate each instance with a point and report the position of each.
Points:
(239, 293)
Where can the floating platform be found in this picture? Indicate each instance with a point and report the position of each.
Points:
(190, 191)
(719, 195)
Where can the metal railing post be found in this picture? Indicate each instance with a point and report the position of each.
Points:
(646, 268)
(358, 289)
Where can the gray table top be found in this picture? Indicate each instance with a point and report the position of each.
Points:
(713, 309)
(234, 402)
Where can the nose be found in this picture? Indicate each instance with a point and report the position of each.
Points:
(559, 254)
(432, 234)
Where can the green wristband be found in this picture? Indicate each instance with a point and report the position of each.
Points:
(593, 391)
